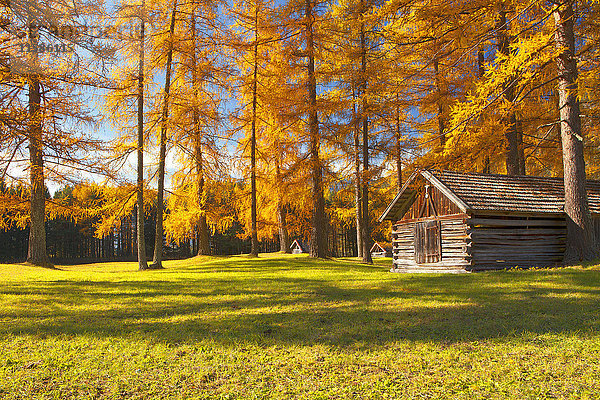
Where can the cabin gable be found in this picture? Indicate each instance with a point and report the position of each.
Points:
(378, 251)
(429, 201)
(298, 247)
(423, 196)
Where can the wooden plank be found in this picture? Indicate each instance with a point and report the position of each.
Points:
(518, 256)
(408, 182)
(407, 205)
(458, 217)
(456, 254)
(510, 246)
(483, 267)
(443, 264)
(478, 232)
(445, 191)
(516, 222)
(525, 234)
(492, 265)
(516, 249)
(420, 243)
(455, 237)
(516, 240)
(488, 213)
(521, 260)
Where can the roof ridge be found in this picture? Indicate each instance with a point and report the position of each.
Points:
(483, 174)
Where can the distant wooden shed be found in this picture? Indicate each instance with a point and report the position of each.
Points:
(381, 250)
(298, 247)
(444, 219)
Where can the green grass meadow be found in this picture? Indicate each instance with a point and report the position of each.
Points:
(289, 327)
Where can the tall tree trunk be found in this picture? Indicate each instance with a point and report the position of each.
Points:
(440, 104)
(253, 227)
(481, 70)
(582, 244)
(366, 256)
(480, 62)
(203, 236)
(141, 239)
(522, 170)
(159, 233)
(284, 237)
(357, 179)
(318, 234)
(398, 145)
(512, 135)
(36, 254)
(366, 231)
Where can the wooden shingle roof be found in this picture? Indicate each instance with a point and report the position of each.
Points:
(512, 193)
(501, 193)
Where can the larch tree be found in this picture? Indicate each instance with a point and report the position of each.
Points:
(164, 121)
(42, 77)
(252, 31)
(124, 103)
(271, 116)
(515, 163)
(255, 45)
(141, 237)
(201, 198)
(582, 244)
(318, 234)
(360, 73)
(280, 155)
(197, 135)
(494, 94)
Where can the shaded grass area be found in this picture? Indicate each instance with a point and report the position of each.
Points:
(284, 326)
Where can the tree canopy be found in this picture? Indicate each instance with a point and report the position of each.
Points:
(295, 119)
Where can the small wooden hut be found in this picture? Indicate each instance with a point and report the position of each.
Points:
(444, 219)
(298, 247)
(380, 250)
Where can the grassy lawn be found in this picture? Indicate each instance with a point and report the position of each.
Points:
(294, 328)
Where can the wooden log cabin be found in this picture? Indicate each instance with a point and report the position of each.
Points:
(448, 220)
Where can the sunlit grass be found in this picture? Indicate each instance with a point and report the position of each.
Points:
(285, 326)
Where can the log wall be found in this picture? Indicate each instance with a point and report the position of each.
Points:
(455, 243)
(483, 242)
(516, 241)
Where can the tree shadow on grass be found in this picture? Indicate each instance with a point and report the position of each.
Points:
(304, 311)
(240, 264)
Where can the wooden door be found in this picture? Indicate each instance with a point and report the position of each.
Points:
(428, 247)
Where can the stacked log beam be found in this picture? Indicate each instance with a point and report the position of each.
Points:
(505, 242)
